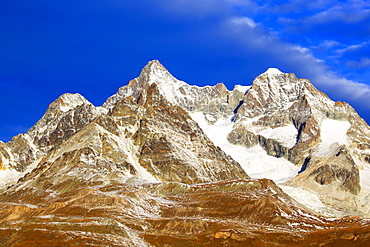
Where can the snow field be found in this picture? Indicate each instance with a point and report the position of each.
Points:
(333, 131)
(255, 161)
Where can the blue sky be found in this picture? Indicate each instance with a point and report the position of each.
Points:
(50, 47)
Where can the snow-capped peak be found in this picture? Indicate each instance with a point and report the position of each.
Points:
(153, 72)
(73, 99)
(273, 71)
(154, 67)
(69, 101)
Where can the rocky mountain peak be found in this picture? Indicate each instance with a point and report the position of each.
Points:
(155, 72)
(275, 84)
(274, 91)
(153, 67)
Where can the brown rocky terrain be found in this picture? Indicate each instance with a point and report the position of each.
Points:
(131, 213)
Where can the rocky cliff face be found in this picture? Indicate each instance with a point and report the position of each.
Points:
(140, 171)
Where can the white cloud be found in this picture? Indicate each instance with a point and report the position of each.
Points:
(244, 21)
(301, 49)
(349, 48)
(343, 88)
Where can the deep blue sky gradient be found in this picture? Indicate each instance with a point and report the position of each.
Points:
(50, 47)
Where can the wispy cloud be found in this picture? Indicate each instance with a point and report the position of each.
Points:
(327, 44)
(348, 49)
(363, 63)
(349, 11)
(342, 88)
(351, 48)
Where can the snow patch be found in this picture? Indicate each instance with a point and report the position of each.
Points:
(364, 195)
(9, 176)
(309, 198)
(65, 108)
(273, 71)
(332, 131)
(167, 84)
(45, 216)
(287, 135)
(73, 100)
(127, 146)
(101, 110)
(241, 88)
(365, 178)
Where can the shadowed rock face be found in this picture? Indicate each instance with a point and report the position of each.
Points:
(339, 167)
(140, 172)
(335, 176)
(174, 148)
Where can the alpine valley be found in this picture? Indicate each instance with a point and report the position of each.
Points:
(164, 163)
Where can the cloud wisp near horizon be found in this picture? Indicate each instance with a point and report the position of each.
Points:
(93, 47)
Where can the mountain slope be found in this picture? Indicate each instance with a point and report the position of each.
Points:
(144, 168)
(132, 213)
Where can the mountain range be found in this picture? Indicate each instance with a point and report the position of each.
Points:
(165, 163)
